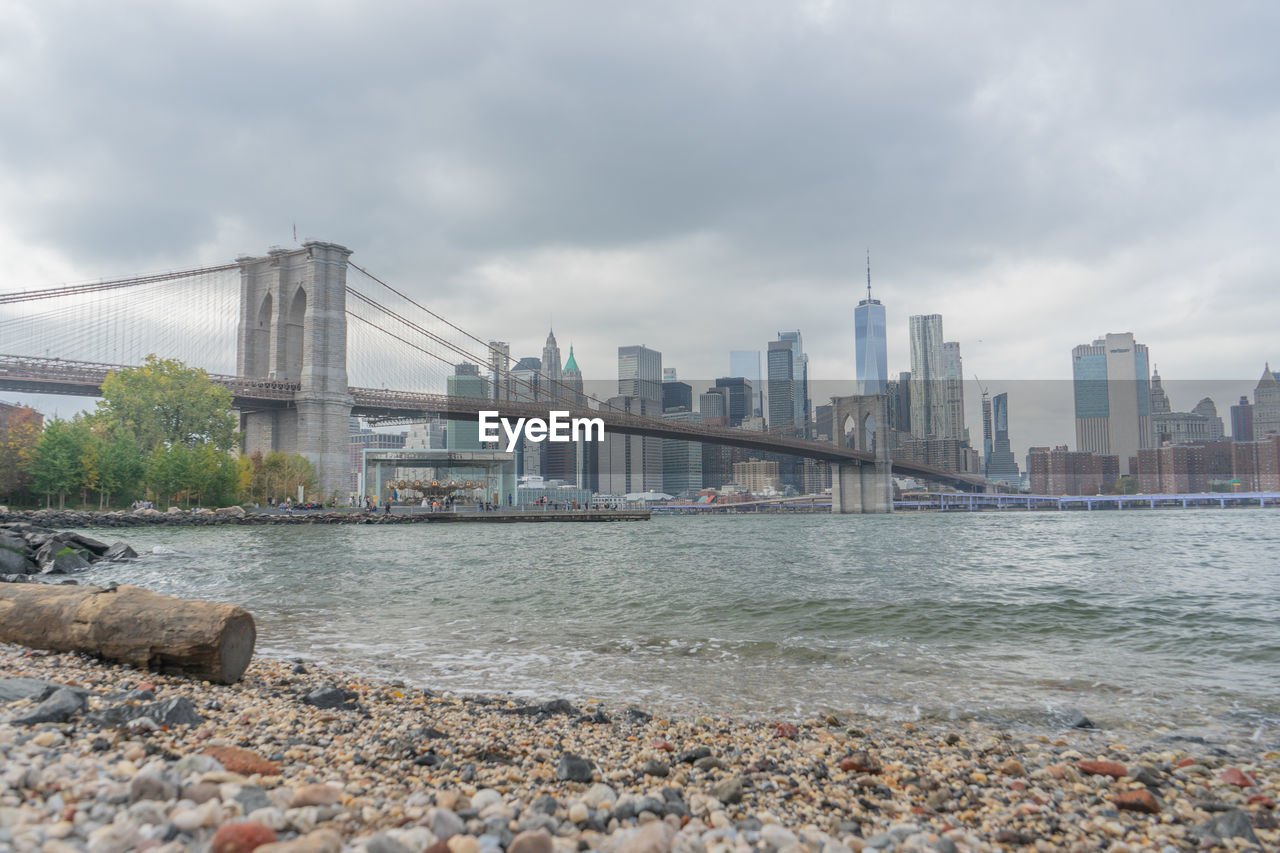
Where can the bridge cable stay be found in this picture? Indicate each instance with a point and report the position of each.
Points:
(190, 316)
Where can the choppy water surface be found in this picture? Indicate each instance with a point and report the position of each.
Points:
(1158, 620)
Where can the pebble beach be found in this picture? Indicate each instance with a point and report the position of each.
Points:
(102, 757)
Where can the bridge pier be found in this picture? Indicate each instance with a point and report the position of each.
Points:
(293, 327)
(861, 488)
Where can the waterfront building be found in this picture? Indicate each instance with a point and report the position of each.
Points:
(640, 374)
(426, 435)
(782, 409)
(551, 372)
(1266, 405)
(1256, 464)
(999, 462)
(800, 381)
(757, 476)
(1112, 385)
(823, 427)
(1242, 420)
(500, 370)
(1066, 472)
(745, 364)
(1178, 469)
(870, 343)
(681, 460)
(676, 396)
(928, 403)
(466, 381)
(738, 398)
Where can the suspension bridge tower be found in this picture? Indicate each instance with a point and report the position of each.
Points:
(861, 423)
(293, 327)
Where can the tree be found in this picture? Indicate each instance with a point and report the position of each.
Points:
(18, 442)
(166, 403)
(56, 466)
(122, 467)
(280, 474)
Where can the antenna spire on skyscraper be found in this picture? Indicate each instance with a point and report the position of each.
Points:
(868, 274)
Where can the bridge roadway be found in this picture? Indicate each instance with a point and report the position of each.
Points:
(84, 379)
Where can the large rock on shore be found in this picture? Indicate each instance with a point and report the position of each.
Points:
(28, 549)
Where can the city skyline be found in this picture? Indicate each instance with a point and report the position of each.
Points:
(997, 186)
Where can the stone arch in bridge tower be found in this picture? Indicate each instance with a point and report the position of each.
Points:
(293, 328)
(865, 487)
(258, 340)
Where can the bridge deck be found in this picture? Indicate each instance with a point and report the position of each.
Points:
(84, 379)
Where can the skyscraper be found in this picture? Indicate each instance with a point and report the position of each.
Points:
(871, 353)
(572, 378)
(551, 368)
(782, 408)
(466, 381)
(746, 364)
(500, 370)
(640, 373)
(999, 462)
(1112, 383)
(1266, 405)
(738, 397)
(800, 379)
(952, 392)
(928, 404)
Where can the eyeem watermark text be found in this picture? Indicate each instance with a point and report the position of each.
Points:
(559, 427)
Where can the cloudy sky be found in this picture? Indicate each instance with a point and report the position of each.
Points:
(694, 176)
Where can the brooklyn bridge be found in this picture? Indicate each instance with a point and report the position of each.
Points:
(303, 322)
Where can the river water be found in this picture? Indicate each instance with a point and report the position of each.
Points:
(1162, 621)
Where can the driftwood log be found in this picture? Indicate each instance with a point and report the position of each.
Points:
(129, 624)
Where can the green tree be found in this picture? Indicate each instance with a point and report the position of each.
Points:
(56, 467)
(18, 440)
(166, 403)
(280, 475)
(122, 466)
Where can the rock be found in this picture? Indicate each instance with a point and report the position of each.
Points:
(319, 841)
(860, 762)
(543, 709)
(728, 791)
(599, 793)
(171, 712)
(653, 837)
(246, 762)
(252, 798)
(655, 768)
(331, 697)
(777, 837)
(1140, 800)
(1072, 718)
(152, 786)
(241, 837)
(573, 768)
(445, 824)
(693, 755)
(1228, 824)
(13, 689)
(173, 510)
(58, 708)
(1236, 776)
(1011, 767)
(315, 795)
(16, 562)
(484, 798)
(635, 715)
(230, 511)
(383, 843)
(195, 764)
(58, 558)
(79, 540)
(786, 730)
(1146, 775)
(463, 844)
(119, 552)
(532, 841)
(1103, 768)
(202, 792)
